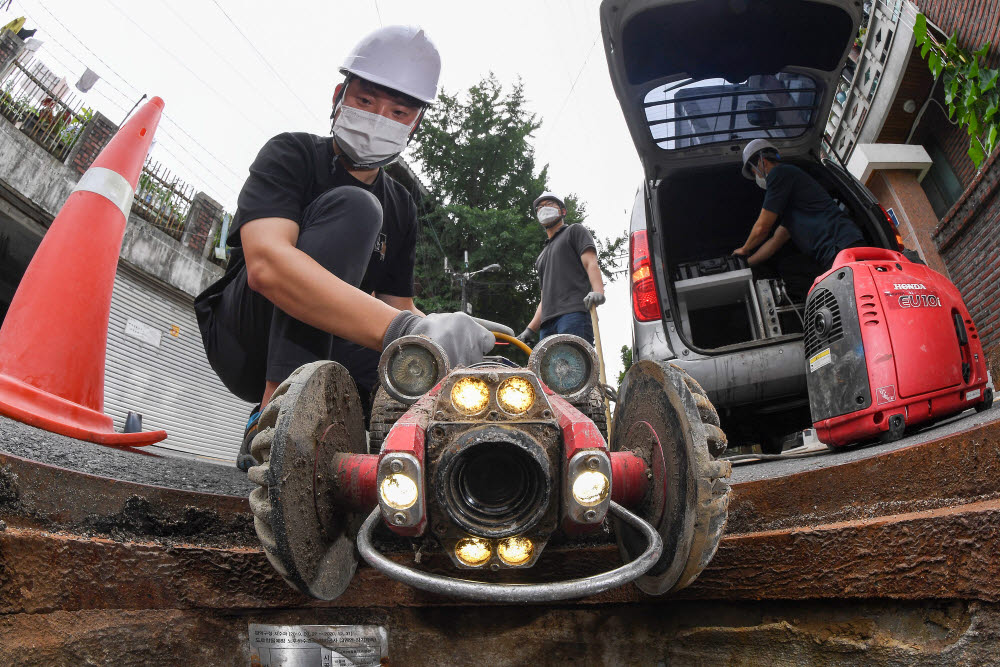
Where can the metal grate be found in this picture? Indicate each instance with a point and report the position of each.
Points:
(39, 104)
(814, 342)
(162, 199)
(693, 112)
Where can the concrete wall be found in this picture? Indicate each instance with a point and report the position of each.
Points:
(29, 173)
(35, 184)
(157, 254)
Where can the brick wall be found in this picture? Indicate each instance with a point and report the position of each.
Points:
(10, 47)
(968, 239)
(201, 220)
(92, 141)
(975, 22)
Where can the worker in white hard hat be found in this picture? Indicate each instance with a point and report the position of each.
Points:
(568, 274)
(795, 207)
(324, 240)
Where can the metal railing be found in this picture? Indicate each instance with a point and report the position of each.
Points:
(38, 104)
(162, 199)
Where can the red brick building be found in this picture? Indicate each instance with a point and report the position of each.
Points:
(975, 22)
(968, 236)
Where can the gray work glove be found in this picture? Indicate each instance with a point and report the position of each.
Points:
(593, 299)
(527, 336)
(464, 341)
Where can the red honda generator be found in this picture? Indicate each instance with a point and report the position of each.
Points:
(888, 344)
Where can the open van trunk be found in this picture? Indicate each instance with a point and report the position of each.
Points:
(696, 78)
(717, 302)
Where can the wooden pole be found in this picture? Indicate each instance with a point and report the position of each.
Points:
(600, 361)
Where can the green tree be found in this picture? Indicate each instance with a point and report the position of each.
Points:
(626, 353)
(970, 87)
(476, 152)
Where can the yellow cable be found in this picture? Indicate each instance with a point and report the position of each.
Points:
(513, 341)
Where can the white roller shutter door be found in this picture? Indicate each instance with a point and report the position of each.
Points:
(156, 366)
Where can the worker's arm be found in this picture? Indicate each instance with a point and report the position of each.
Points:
(400, 302)
(531, 331)
(589, 260)
(596, 295)
(536, 322)
(771, 246)
(761, 229)
(297, 284)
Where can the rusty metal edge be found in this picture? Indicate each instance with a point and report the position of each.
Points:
(959, 468)
(935, 554)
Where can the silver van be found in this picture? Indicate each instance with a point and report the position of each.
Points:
(697, 80)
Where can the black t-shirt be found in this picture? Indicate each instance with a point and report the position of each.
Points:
(561, 275)
(817, 226)
(295, 168)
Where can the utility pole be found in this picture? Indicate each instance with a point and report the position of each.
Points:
(465, 276)
(465, 282)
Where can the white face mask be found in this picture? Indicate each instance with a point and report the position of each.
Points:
(761, 181)
(548, 215)
(367, 138)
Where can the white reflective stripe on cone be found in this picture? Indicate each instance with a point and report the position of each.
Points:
(109, 184)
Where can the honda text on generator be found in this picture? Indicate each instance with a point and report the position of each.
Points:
(475, 472)
(888, 344)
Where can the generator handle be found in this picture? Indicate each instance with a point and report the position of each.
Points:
(865, 254)
(548, 592)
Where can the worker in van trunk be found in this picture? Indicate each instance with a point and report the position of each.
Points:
(803, 211)
(568, 274)
(324, 240)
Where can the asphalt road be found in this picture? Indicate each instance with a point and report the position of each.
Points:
(747, 472)
(131, 465)
(161, 469)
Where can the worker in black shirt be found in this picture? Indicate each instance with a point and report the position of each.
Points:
(804, 211)
(568, 273)
(324, 240)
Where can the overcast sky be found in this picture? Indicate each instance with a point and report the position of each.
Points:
(230, 83)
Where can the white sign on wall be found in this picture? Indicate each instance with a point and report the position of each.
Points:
(142, 331)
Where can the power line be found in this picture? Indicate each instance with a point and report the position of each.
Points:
(223, 58)
(129, 101)
(577, 78)
(261, 56)
(164, 146)
(207, 85)
(72, 34)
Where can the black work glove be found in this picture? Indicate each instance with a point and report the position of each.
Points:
(463, 341)
(527, 336)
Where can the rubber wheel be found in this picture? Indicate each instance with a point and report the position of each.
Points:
(386, 411)
(664, 416)
(896, 427)
(593, 408)
(987, 401)
(313, 415)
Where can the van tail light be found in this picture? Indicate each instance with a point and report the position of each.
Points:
(894, 228)
(645, 303)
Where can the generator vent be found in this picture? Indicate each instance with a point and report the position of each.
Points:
(822, 321)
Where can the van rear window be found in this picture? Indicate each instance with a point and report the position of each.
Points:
(695, 112)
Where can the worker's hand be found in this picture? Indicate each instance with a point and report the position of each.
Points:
(527, 336)
(464, 341)
(741, 252)
(594, 299)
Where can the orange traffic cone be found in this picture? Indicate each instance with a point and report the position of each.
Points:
(54, 338)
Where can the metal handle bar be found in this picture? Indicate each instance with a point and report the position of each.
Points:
(477, 590)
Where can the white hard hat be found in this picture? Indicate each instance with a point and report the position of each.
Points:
(548, 195)
(399, 57)
(751, 151)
